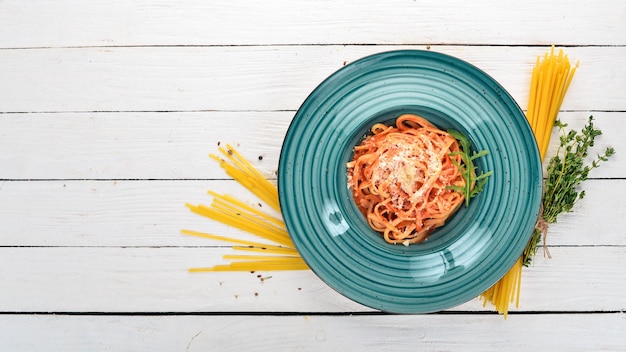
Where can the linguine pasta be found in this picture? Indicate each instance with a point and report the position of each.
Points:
(401, 177)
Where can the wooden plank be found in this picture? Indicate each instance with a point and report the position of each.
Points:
(152, 213)
(110, 213)
(566, 332)
(608, 124)
(594, 219)
(149, 279)
(245, 22)
(136, 145)
(113, 106)
(175, 145)
(257, 77)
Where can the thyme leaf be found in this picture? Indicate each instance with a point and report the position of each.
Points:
(565, 172)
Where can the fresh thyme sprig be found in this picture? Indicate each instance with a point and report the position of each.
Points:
(566, 171)
(468, 170)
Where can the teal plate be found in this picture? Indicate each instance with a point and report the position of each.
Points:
(476, 247)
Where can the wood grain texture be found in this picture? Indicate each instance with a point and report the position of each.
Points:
(111, 213)
(257, 77)
(246, 22)
(108, 110)
(175, 145)
(442, 332)
(136, 145)
(152, 213)
(155, 279)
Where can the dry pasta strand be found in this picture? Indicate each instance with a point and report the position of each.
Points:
(268, 250)
(506, 290)
(230, 211)
(550, 80)
(228, 239)
(242, 205)
(246, 174)
(254, 266)
(262, 258)
(245, 222)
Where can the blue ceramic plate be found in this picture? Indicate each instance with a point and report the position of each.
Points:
(462, 259)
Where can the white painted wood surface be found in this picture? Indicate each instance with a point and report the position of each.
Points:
(109, 109)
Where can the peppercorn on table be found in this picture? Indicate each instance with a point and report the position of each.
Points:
(108, 114)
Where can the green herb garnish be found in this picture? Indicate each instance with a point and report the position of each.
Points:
(473, 184)
(566, 171)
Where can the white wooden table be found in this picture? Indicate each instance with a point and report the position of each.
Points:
(108, 110)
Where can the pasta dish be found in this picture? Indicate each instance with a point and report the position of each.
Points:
(404, 178)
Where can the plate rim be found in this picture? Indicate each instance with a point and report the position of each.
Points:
(509, 102)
